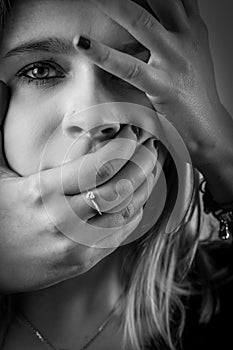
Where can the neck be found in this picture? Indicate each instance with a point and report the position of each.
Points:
(81, 303)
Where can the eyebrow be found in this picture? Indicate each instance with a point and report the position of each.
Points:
(64, 46)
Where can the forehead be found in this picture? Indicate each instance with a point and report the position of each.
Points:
(31, 19)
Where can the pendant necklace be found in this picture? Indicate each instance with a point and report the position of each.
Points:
(28, 324)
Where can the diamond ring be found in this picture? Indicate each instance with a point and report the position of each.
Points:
(90, 195)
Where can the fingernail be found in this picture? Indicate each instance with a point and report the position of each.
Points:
(84, 43)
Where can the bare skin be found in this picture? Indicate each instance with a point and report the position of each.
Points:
(70, 300)
(178, 79)
(84, 299)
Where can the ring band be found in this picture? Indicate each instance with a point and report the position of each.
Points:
(90, 195)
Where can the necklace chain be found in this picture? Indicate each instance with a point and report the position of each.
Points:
(24, 321)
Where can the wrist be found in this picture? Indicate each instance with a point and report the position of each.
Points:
(214, 158)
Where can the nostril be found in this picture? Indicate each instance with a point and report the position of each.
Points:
(73, 131)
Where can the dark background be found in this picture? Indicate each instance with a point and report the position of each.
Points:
(218, 15)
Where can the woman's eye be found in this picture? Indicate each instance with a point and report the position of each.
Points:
(40, 73)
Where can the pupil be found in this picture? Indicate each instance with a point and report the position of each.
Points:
(40, 71)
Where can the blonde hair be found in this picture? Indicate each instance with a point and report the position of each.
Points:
(154, 273)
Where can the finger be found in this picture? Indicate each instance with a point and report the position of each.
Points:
(191, 7)
(142, 25)
(122, 217)
(92, 169)
(122, 186)
(127, 181)
(142, 192)
(130, 69)
(114, 240)
(171, 13)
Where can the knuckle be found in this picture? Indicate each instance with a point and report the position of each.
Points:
(144, 19)
(79, 261)
(124, 188)
(128, 212)
(64, 251)
(33, 190)
(105, 171)
(134, 72)
(49, 226)
(104, 57)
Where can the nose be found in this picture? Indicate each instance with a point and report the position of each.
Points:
(92, 123)
(87, 109)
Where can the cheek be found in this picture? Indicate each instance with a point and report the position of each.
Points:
(33, 128)
(27, 129)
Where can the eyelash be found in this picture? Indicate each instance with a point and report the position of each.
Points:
(23, 73)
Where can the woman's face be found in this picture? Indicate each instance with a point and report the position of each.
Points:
(50, 81)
